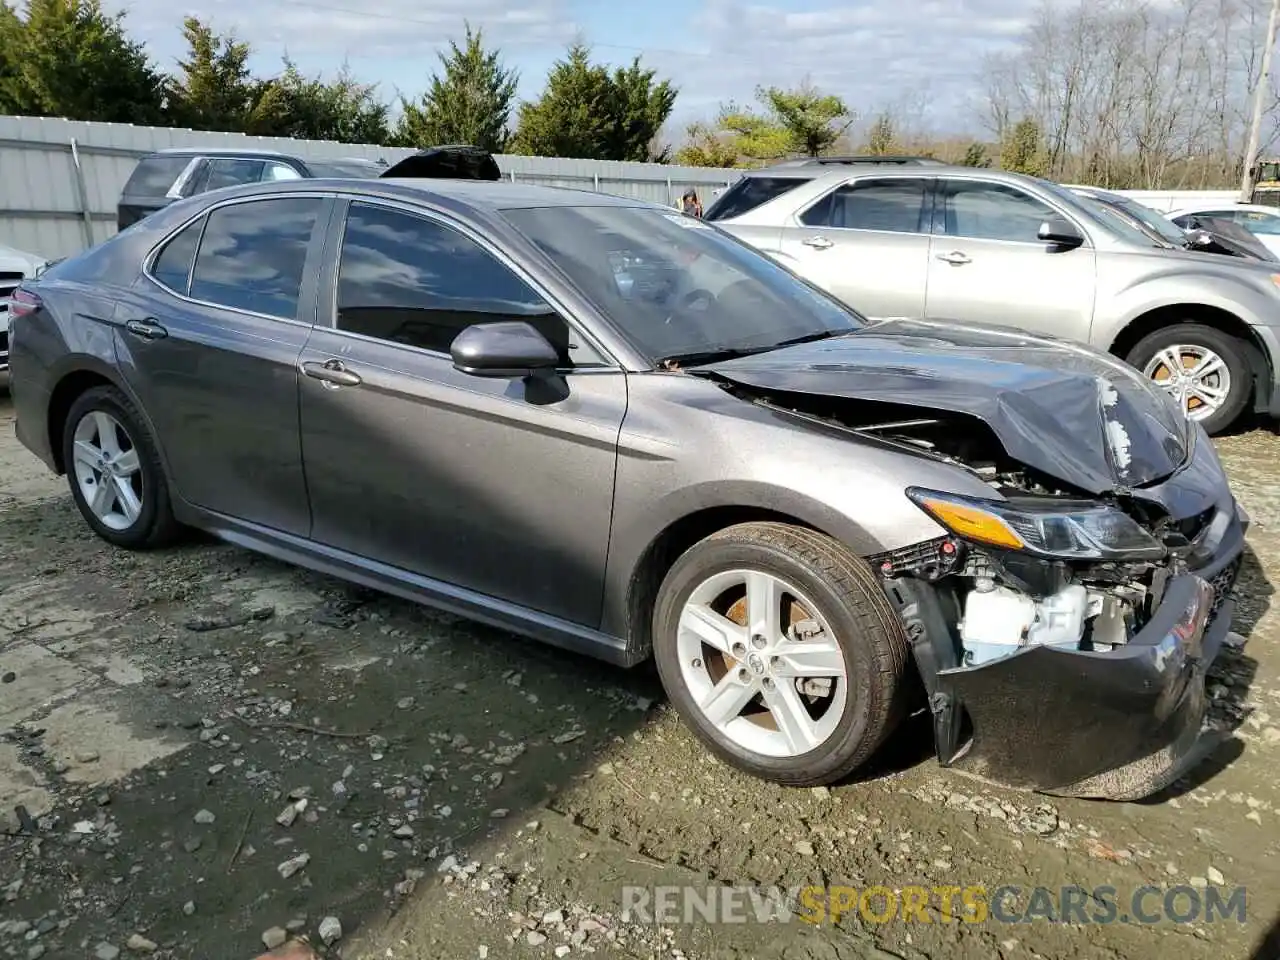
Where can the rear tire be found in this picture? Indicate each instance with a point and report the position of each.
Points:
(1228, 379)
(800, 686)
(114, 471)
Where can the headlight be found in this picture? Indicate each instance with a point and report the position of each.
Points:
(1070, 531)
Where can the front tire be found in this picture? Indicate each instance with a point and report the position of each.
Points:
(780, 650)
(1206, 371)
(114, 471)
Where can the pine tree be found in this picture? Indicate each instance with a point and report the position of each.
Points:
(213, 89)
(69, 58)
(469, 103)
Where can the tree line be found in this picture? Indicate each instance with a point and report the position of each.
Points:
(70, 58)
(1120, 93)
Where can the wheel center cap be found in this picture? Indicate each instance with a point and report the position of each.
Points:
(756, 664)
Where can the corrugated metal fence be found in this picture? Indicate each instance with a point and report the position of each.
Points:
(60, 180)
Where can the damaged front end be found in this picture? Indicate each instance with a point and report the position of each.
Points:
(1062, 625)
(1079, 677)
(1063, 640)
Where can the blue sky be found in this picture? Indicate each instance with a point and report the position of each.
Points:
(921, 56)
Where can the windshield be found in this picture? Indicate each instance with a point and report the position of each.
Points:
(1097, 213)
(1160, 225)
(368, 170)
(1118, 216)
(678, 287)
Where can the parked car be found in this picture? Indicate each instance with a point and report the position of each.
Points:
(162, 177)
(15, 266)
(615, 428)
(964, 244)
(1204, 235)
(1262, 222)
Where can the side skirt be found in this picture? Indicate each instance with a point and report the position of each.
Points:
(411, 586)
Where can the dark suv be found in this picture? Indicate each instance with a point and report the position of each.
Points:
(168, 175)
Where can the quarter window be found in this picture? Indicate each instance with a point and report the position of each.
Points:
(410, 280)
(253, 254)
(280, 171)
(994, 211)
(173, 267)
(232, 173)
(895, 206)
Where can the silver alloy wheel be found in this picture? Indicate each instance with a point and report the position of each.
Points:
(107, 470)
(1194, 375)
(761, 663)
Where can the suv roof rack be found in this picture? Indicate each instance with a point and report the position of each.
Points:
(870, 160)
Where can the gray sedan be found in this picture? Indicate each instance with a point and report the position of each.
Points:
(612, 427)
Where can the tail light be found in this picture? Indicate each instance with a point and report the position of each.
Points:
(24, 302)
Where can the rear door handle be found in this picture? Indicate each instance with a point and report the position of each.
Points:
(146, 330)
(818, 243)
(332, 373)
(955, 258)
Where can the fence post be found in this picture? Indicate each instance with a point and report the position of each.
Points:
(595, 179)
(82, 193)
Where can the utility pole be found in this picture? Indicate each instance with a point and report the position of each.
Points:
(1259, 95)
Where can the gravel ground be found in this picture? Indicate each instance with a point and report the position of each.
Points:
(204, 753)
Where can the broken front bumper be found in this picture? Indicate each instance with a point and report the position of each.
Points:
(1120, 725)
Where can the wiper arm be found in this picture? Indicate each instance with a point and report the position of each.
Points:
(812, 337)
(711, 355)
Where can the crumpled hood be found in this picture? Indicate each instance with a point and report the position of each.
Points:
(1066, 410)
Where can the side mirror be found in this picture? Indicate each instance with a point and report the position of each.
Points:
(1060, 232)
(507, 349)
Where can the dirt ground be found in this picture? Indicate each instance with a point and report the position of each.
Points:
(202, 747)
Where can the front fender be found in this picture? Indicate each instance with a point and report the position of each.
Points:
(1186, 289)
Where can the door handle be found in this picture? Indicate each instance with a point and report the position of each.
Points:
(818, 243)
(332, 373)
(146, 330)
(955, 258)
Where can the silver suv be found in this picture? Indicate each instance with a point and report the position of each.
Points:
(964, 244)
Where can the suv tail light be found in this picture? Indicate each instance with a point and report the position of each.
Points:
(24, 302)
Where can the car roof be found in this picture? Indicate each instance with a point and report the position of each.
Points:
(838, 173)
(489, 195)
(1226, 205)
(224, 152)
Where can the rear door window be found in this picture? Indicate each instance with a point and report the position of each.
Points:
(749, 193)
(892, 206)
(252, 255)
(224, 172)
(153, 176)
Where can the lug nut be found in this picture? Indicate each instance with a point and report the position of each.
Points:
(697, 663)
(739, 650)
(744, 676)
(759, 642)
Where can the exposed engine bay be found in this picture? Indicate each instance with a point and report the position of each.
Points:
(1004, 601)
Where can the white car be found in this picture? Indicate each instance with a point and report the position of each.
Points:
(1262, 222)
(15, 266)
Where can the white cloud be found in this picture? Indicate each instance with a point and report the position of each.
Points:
(875, 53)
(333, 30)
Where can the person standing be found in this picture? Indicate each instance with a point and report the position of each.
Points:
(689, 203)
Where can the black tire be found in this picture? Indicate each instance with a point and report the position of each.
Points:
(851, 600)
(1232, 351)
(155, 525)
